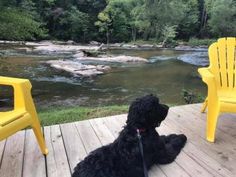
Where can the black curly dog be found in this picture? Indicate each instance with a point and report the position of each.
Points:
(122, 158)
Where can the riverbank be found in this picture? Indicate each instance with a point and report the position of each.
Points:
(56, 115)
(59, 46)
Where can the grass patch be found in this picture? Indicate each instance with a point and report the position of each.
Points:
(200, 42)
(57, 115)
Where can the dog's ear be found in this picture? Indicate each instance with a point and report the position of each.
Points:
(136, 117)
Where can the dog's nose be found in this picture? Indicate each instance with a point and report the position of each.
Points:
(165, 106)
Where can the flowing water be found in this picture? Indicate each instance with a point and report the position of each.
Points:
(166, 74)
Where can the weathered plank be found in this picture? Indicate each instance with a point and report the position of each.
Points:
(57, 164)
(2, 146)
(104, 135)
(174, 170)
(188, 119)
(32, 155)
(206, 161)
(156, 171)
(191, 166)
(73, 144)
(88, 136)
(210, 149)
(116, 127)
(13, 156)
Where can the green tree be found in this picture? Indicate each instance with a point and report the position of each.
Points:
(169, 33)
(75, 24)
(161, 13)
(138, 20)
(115, 20)
(222, 20)
(189, 24)
(104, 23)
(19, 25)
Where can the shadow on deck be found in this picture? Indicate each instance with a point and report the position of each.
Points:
(69, 143)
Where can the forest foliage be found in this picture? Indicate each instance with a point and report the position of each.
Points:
(116, 20)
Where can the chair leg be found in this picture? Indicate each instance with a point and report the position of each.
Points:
(212, 117)
(204, 106)
(39, 136)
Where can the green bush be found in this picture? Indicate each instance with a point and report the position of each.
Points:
(191, 97)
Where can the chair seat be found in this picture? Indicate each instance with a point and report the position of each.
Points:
(10, 116)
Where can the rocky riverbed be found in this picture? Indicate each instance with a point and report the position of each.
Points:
(78, 69)
(75, 65)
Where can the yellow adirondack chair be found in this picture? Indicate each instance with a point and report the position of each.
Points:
(220, 78)
(24, 113)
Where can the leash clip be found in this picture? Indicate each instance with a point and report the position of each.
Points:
(138, 133)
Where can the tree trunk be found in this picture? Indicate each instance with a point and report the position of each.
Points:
(146, 34)
(134, 32)
(107, 36)
(84, 37)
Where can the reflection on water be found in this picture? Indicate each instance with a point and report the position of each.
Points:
(167, 73)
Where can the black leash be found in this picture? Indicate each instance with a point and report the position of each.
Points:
(141, 151)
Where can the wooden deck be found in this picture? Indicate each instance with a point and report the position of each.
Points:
(70, 143)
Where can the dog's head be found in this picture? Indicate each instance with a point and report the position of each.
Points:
(146, 112)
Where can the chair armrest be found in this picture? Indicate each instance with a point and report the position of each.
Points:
(207, 76)
(11, 81)
(209, 79)
(22, 90)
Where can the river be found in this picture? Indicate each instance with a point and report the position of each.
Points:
(166, 74)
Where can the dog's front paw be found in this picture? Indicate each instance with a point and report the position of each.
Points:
(179, 141)
(183, 139)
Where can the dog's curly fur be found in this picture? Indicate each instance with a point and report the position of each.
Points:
(122, 158)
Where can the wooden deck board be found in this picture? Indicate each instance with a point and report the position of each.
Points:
(13, 156)
(32, 155)
(57, 162)
(73, 144)
(70, 143)
(2, 146)
(88, 136)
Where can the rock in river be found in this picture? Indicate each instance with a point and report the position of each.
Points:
(77, 68)
(116, 59)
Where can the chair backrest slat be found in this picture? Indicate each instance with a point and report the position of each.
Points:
(231, 61)
(222, 62)
(214, 63)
